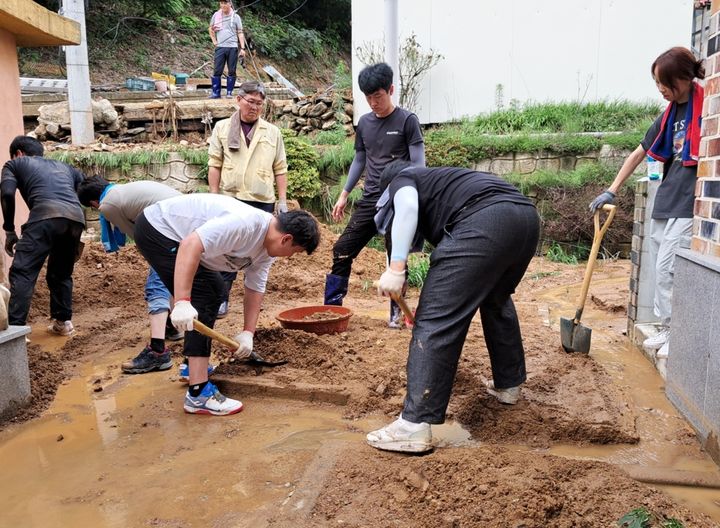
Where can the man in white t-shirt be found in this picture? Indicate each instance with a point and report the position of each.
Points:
(189, 240)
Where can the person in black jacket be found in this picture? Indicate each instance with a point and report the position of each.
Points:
(52, 231)
(485, 232)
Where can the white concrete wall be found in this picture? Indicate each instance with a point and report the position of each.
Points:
(539, 50)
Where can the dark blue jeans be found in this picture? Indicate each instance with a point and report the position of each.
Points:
(476, 266)
(223, 55)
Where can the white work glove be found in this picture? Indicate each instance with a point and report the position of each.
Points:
(282, 206)
(391, 282)
(245, 340)
(182, 316)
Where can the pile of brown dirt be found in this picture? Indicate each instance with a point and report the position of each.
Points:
(484, 486)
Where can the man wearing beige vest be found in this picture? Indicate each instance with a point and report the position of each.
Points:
(246, 161)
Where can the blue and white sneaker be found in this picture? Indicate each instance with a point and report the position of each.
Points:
(211, 401)
(184, 371)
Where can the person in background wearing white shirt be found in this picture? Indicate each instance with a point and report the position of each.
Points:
(189, 240)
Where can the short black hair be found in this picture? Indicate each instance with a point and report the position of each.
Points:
(375, 77)
(27, 145)
(302, 226)
(391, 170)
(91, 188)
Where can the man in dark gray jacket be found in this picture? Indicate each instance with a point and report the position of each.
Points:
(52, 231)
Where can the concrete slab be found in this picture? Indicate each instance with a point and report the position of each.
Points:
(14, 372)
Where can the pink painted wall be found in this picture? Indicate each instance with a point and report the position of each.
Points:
(11, 125)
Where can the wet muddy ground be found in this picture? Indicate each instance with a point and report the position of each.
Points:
(108, 449)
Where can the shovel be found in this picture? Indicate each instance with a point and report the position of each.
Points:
(254, 360)
(574, 336)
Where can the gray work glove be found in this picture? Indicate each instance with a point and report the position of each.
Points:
(11, 239)
(607, 197)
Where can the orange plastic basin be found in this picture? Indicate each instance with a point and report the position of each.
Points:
(298, 319)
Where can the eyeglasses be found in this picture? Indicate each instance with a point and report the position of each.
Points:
(252, 102)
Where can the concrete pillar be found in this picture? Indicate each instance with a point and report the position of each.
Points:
(78, 74)
(392, 44)
(11, 125)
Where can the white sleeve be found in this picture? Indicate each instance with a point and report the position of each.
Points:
(405, 220)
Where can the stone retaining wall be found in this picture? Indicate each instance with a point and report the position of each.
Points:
(529, 162)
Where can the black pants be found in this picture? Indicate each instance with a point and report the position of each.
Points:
(223, 55)
(230, 276)
(476, 266)
(207, 286)
(358, 232)
(54, 239)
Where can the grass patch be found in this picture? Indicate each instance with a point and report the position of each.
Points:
(585, 174)
(418, 266)
(123, 161)
(573, 117)
(337, 159)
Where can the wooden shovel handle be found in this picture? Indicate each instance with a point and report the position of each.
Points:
(597, 239)
(217, 336)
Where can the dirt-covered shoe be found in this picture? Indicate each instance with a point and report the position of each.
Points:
(223, 310)
(184, 371)
(509, 396)
(211, 401)
(396, 319)
(147, 361)
(61, 328)
(403, 436)
(658, 340)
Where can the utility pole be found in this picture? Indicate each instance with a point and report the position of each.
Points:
(78, 76)
(392, 45)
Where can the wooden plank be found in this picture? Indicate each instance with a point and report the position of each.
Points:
(219, 108)
(272, 72)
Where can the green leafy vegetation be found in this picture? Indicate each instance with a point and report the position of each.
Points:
(462, 146)
(556, 253)
(418, 266)
(122, 161)
(642, 518)
(303, 175)
(569, 117)
(336, 160)
(594, 173)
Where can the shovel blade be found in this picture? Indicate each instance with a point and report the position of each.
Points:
(574, 336)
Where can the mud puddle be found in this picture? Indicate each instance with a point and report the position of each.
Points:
(661, 451)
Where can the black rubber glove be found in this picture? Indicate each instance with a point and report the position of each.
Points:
(608, 197)
(10, 240)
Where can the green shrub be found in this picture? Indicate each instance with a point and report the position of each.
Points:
(333, 136)
(303, 175)
(557, 254)
(189, 22)
(280, 39)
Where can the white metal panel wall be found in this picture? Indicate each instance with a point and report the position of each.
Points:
(538, 50)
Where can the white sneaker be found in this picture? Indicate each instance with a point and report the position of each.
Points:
(62, 328)
(658, 340)
(663, 352)
(509, 396)
(211, 401)
(404, 436)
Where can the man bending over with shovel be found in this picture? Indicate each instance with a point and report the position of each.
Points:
(119, 206)
(485, 233)
(189, 240)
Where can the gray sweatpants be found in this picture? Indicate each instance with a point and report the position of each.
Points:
(666, 237)
(477, 265)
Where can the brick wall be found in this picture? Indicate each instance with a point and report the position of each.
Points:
(706, 224)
